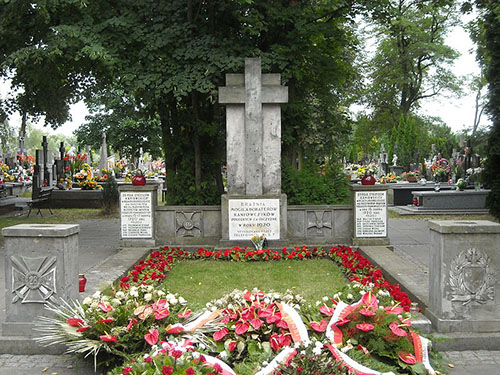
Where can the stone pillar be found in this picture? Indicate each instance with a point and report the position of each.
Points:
(41, 265)
(137, 215)
(464, 286)
(370, 225)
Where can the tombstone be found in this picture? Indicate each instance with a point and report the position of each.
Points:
(383, 163)
(141, 165)
(463, 276)
(60, 164)
(88, 152)
(43, 170)
(253, 204)
(41, 266)
(103, 163)
(396, 169)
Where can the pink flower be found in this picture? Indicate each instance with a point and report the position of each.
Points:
(131, 323)
(190, 371)
(241, 327)
(365, 327)
(167, 370)
(256, 323)
(175, 329)
(326, 310)
(220, 334)
(108, 338)
(319, 327)
(185, 314)
(75, 322)
(407, 358)
(396, 310)
(107, 320)
(396, 330)
(232, 346)
(162, 313)
(148, 359)
(126, 370)
(152, 337)
(366, 312)
(83, 329)
(369, 300)
(105, 307)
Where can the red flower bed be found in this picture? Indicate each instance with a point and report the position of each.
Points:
(356, 267)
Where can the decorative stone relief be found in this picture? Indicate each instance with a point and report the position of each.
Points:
(471, 278)
(188, 224)
(33, 279)
(319, 223)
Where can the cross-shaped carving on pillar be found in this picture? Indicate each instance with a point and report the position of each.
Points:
(253, 127)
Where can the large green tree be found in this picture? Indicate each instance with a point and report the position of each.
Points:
(170, 57)
(487, 35)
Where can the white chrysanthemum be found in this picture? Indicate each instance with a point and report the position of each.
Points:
(87, 301)
(325, 298)
(350, 296)
(148, 297)
(116, 301)
(134, 293)
(223, 354)
(120, 294)
(303, 352)
(94, 304)
(150, 288)
(182, 301)
(267, 300)
(317, 351)
(97, 294)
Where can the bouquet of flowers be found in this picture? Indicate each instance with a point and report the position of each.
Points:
(258, 241)
(440, 169)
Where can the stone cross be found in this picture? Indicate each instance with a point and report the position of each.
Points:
(253, 126)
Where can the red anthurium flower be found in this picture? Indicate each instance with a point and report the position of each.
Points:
(342, 322)
(256, 323)
(75, 322)
(366, 312)
(185, 314)
(83, 329)
(107, 337)
(248, 296)
(407, 358)
(246, 313)
(396, 330)
(107, 320)
(220, 334)
(241, 327)
(167, 370)
(273, 318)
(319, 327)
(232, 346)
(105, 307)
(365, 327)
(282, 324)
(160, 304)
(326, 310)
(369, 300)
(131, 323)
(176, 328)
(152, 336)
(162, 313)
(264, 313)
(396, 310)
(273, 340)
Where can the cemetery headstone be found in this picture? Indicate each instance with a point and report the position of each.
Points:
(253, 204)
(103, 163)
(463, 276)
(395, 168)
(41, 266)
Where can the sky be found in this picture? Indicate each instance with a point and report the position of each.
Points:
(457, 113)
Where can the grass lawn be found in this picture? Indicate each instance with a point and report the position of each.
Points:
(61, 216)
(200, 281)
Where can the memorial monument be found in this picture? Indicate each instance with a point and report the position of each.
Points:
(253, 204)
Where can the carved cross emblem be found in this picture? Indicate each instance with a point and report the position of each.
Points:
(33, 279)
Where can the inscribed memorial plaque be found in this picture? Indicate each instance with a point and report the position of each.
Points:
(136, 215)
(249, 217)
(371, 213)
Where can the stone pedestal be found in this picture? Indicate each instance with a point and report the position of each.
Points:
(244, 216)
(464, 286)
(41, 265)
(370, 225)
(137, 215)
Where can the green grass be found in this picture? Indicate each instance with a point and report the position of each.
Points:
(61, 216)
(200, 281)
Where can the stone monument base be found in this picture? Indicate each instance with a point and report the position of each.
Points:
(246, 215)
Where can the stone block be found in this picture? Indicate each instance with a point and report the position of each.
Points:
(41, 266)
(463, 276)
(452, 199)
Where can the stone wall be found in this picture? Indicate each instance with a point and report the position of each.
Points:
(195, 226)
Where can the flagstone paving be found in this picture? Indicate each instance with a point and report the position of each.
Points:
(100, 252)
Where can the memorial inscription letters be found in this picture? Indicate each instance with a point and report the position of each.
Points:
(136, 214)
(371, 214)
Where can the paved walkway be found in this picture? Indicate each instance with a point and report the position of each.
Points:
(100, 257)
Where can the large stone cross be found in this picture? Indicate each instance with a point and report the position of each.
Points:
(253, 130)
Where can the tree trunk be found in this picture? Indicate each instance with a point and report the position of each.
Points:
(166, 119)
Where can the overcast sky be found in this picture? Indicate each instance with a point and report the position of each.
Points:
(456, 113)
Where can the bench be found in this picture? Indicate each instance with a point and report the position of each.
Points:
(41, 201)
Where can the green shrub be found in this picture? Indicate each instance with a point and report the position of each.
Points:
(315, 185)
(110, 196)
